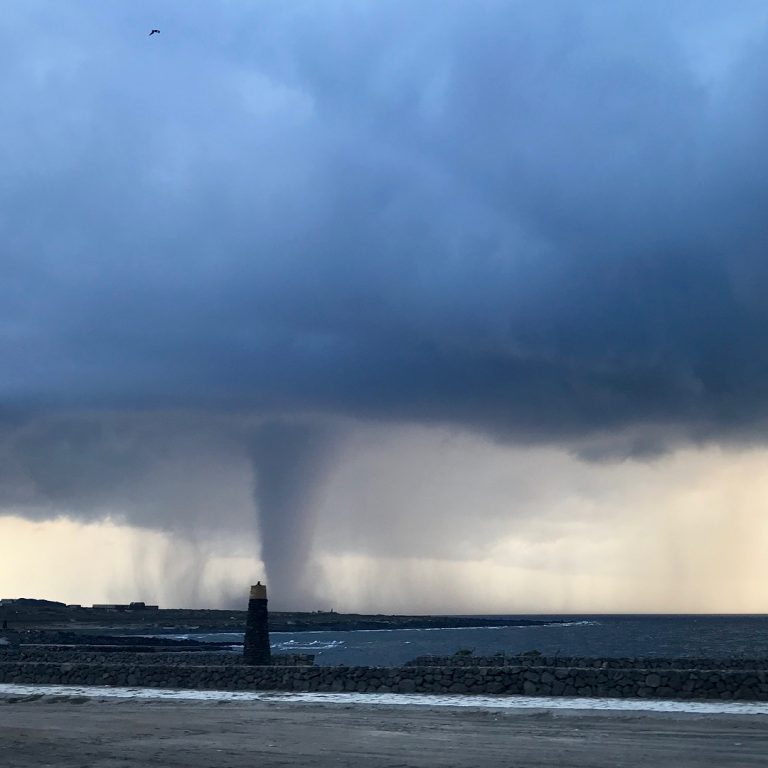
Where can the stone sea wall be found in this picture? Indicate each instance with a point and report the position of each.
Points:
(531, 680)
(535, 660)
(165, 658)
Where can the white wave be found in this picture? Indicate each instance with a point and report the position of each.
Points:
(13, 690)
(308, 645)
(584, 623)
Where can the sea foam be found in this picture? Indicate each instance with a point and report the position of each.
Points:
(14, 690)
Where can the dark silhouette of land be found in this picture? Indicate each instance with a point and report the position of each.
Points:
(51, 617)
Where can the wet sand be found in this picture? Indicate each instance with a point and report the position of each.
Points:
(80, 733)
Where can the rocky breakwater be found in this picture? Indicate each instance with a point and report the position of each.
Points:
(85, 655)
(530, 680)
(533, 659)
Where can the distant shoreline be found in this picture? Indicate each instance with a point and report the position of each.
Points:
(51, 617)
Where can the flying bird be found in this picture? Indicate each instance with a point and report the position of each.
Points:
(154, 32)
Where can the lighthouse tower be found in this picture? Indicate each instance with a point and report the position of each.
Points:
(256, 648)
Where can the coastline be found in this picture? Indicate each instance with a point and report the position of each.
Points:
(90, 621)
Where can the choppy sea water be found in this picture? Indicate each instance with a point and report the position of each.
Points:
(14, 691)
(601, 636)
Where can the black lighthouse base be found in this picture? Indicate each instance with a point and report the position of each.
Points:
(256, 649)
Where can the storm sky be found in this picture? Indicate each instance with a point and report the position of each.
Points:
(365, 295)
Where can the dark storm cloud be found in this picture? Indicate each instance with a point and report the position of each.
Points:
(181, 472)
(539, 221)
(542, 221)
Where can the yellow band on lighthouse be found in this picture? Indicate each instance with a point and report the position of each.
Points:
(258, 592)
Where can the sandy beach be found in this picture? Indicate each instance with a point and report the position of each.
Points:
(81, 732)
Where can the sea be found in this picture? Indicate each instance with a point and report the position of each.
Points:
(734, 636)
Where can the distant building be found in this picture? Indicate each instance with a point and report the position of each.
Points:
(125, 607)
